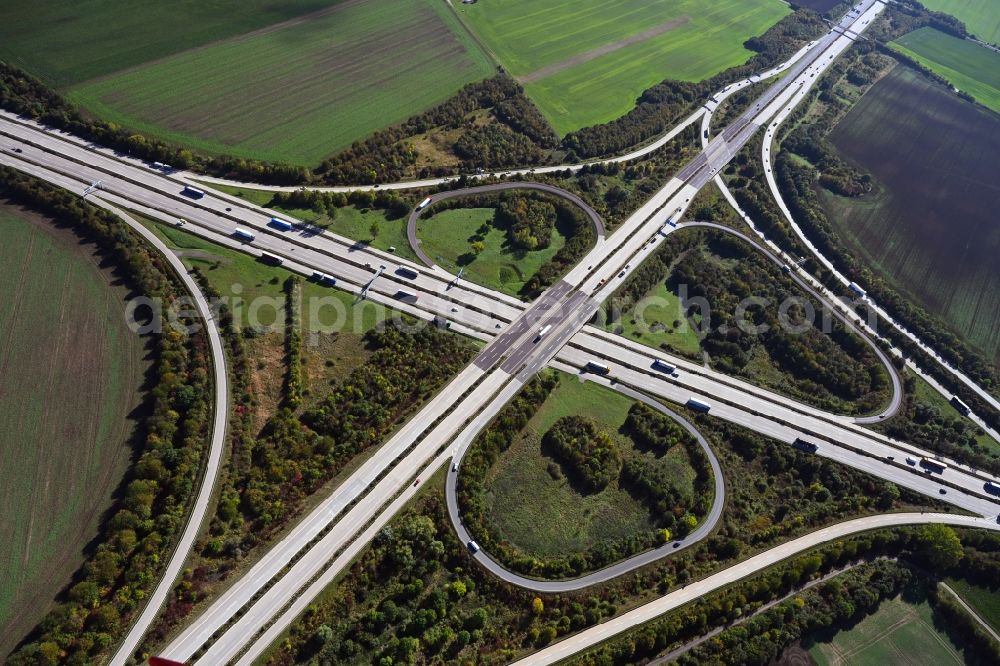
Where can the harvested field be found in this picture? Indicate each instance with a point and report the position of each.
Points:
(71, 372)
(981, 17)
(931, 226)
(968, 66)
(899, 632)
(634, 43)
(301, 91)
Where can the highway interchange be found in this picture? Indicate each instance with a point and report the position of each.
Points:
(451, 420)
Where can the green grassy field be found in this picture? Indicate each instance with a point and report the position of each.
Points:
(71, 376)
(300, 91)
(65, 43)
(546, 516)
(967, 66)
(660, 309)
(527, 36)
(897, 633)
(985, 601)
(930, 227)
(258, 287)
(445, 238)
(981, 17)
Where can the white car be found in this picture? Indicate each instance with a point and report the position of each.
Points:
(911, 461)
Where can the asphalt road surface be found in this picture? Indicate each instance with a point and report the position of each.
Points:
(592, 636)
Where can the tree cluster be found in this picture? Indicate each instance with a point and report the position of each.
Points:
(387, 155)
(671, 508)
(589, 453)
(529, 221)
(833, 367)
(151, 508)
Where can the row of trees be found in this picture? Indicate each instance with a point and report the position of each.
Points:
(120, 571)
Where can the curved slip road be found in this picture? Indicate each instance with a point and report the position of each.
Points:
(897, 384)
(196, 517)
(766, 156)
(411, 223)
(630, 564)
(591, 637)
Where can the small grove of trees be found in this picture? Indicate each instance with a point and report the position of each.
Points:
(589, 452)
(118, 574)
(529, 221)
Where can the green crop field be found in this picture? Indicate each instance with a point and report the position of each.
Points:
(65, 43)
(984, 600)
(546, 516)
(966, 65)
(899, 632)
(981, 17)
(586, 61)
(445, 238)
(298, 91)
(931, 226)
(72, 371)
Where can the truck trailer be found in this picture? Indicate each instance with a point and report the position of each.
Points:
(280, 224)
(663, 366)
(957, 403)
(408, 273)
(698, 405)
(932, 465)
(423, 204)
(243, 234)
(598, 367)
(192, 192)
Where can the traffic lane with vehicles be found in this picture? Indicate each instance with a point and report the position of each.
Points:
(688, 377)
(706, 527)
(608, 629)
(474, 317)
(695, 370)
(844, 443)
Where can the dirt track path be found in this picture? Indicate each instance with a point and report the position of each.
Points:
(587, 56)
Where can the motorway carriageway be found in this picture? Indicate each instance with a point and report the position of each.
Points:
(692, 370)
(443, 308)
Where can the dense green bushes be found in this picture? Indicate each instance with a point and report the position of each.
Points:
(830, 368)
(134, 541)
(529, 221)
(588, 452)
